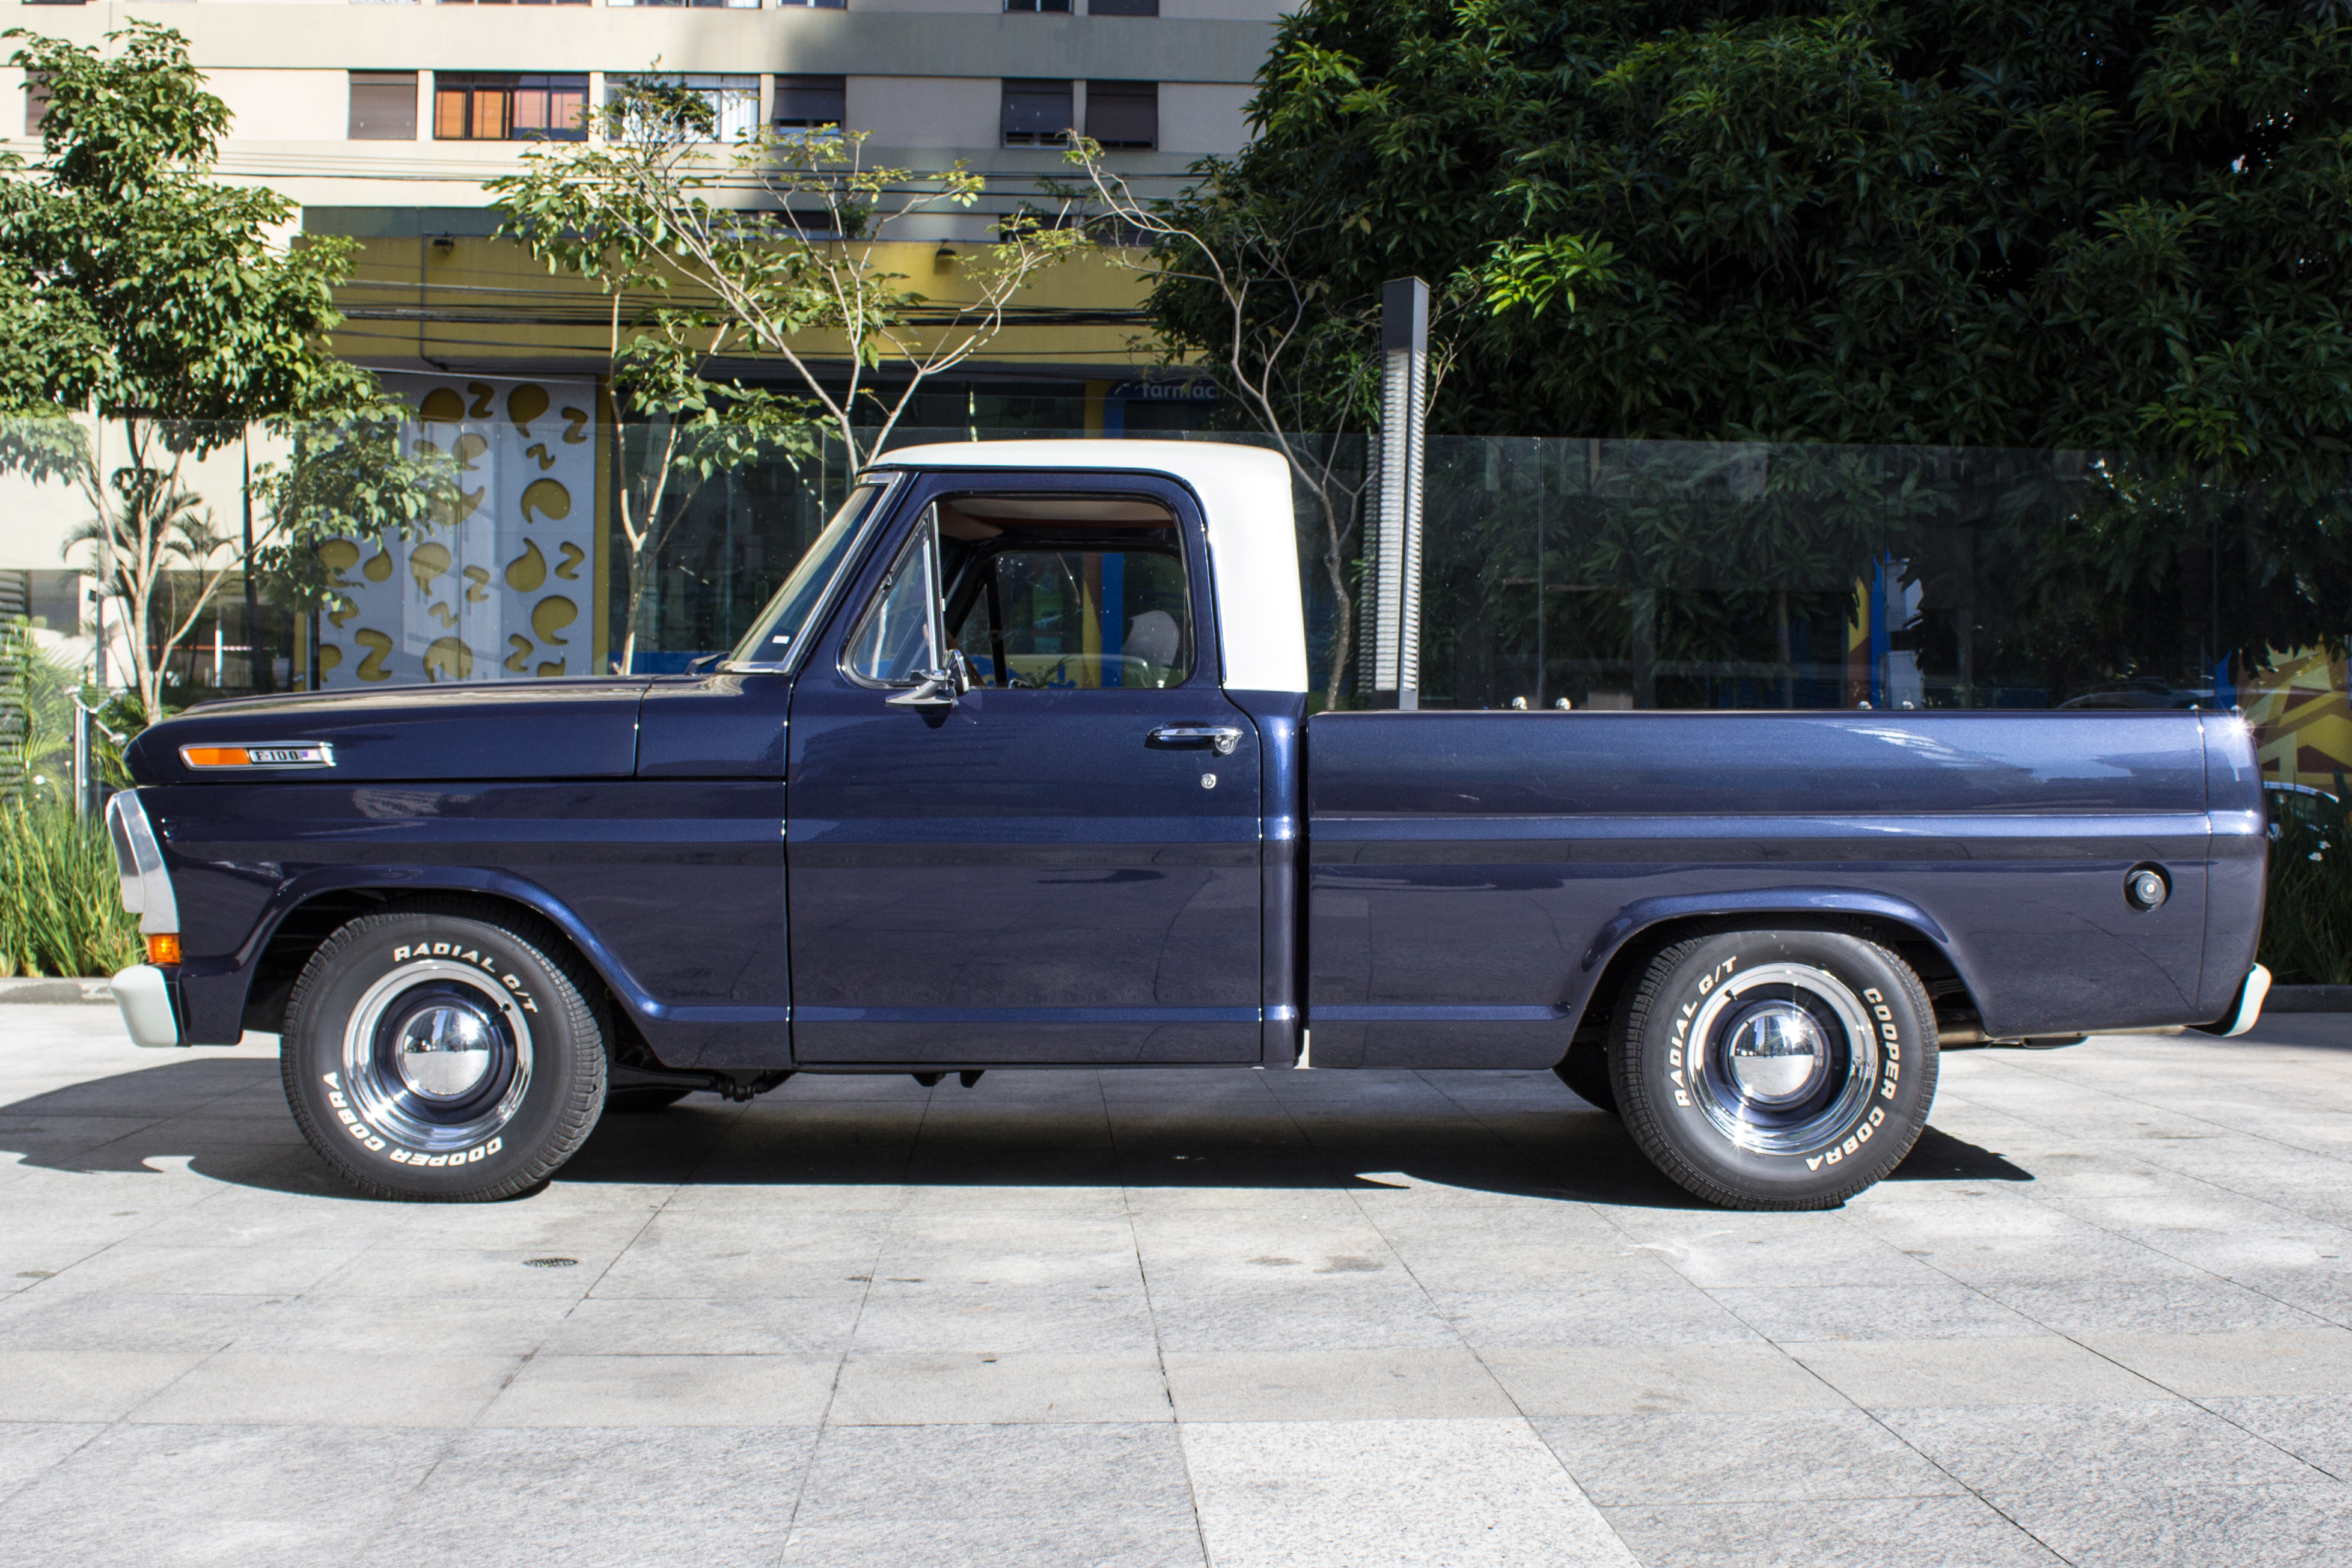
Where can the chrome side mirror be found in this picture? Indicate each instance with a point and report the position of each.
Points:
(940, 688)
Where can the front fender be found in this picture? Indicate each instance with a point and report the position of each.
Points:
(215, 993)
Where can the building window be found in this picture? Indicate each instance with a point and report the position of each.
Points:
(726, 5)
(383, 106)
(824, 5)
(1061, 6)
(805, 102)
(36, 103)
(1122, 7)
(1124, 113)
(1037, 111)
(499, 106)
(734, 101)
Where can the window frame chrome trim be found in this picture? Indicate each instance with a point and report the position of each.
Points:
(890, 479)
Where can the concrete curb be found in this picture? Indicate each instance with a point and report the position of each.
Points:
(2308, 999)
(53, 992)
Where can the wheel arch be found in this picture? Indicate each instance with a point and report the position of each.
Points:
(1624, 946)
(311, 909)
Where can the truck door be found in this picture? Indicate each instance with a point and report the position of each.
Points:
(1060, 865)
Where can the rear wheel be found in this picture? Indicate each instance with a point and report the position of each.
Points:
(444, 1053)
(1775, 1070)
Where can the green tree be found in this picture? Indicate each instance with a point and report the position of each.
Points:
(768, 247)
(137, 288)
(2106, 224)
(678, 424)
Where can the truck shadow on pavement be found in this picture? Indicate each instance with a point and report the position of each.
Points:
(227, 1120)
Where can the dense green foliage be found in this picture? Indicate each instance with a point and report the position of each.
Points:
(2114, 225)
(2307, 927)
(61, 906)
(136, 285)
(161, 290)
(2102, 223)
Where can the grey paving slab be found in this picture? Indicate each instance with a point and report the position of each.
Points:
(2191, 1306)
(2256, 1361)
(1753, 1457)
(1309, 1494)
(1073, 1386)
(1896, 1532)
(1620, 1380)
(2188, 1526)
(1931, 1310)
(998, 1542)
(291, 1496)
(330, 1388)
(1332, 1385)
(914, 1318)
(2023, 1370)
(27, 1448)
(997, 1471)
(616, 1495)
(2315, 1428)
(758, 1325)
(2088, 1444)
(663, 1391)
(85, 1385)
(1674, 1314)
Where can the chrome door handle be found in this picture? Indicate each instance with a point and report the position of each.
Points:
(1223, 737)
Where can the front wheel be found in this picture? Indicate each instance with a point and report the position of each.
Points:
(447, 1053)
(1775, 1070)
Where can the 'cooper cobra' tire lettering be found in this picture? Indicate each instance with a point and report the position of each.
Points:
(459, 1044)
(1764, 1068)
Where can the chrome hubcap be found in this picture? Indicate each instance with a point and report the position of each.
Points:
(1775, 1052)
(1782, 1057)
(437, 1057)
(444, 1051)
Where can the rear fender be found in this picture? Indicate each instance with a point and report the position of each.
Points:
(1626, 928)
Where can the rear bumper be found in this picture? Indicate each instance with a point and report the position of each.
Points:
(143, 992)
(2246, 1010)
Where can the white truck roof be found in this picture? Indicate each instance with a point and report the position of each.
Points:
(1253, 539)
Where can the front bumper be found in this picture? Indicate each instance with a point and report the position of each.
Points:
(143, 992)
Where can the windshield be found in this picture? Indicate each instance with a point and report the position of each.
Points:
(775, 632)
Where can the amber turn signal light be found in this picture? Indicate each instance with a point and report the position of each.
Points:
(215, 756)
(163, 949)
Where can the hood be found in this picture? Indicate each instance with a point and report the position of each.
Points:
(581, 728)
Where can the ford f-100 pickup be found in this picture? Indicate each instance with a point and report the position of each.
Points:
(1016, 771)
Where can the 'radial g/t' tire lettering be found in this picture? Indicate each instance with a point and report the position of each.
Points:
(1775, 1070)
(444, 1053)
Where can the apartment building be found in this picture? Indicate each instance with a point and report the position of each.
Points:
(383, 121)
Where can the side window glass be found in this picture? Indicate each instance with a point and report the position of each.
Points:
(899, 636)
(1079, 618)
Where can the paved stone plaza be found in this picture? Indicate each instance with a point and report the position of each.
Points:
(1168, 1318)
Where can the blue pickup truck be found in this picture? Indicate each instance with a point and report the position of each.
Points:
(1016, 770)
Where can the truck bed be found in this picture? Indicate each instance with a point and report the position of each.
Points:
(1473, 875)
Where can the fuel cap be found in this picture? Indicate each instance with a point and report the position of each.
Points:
(2144, 887)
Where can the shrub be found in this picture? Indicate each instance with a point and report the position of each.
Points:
(2308, 928)
(60, 907)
